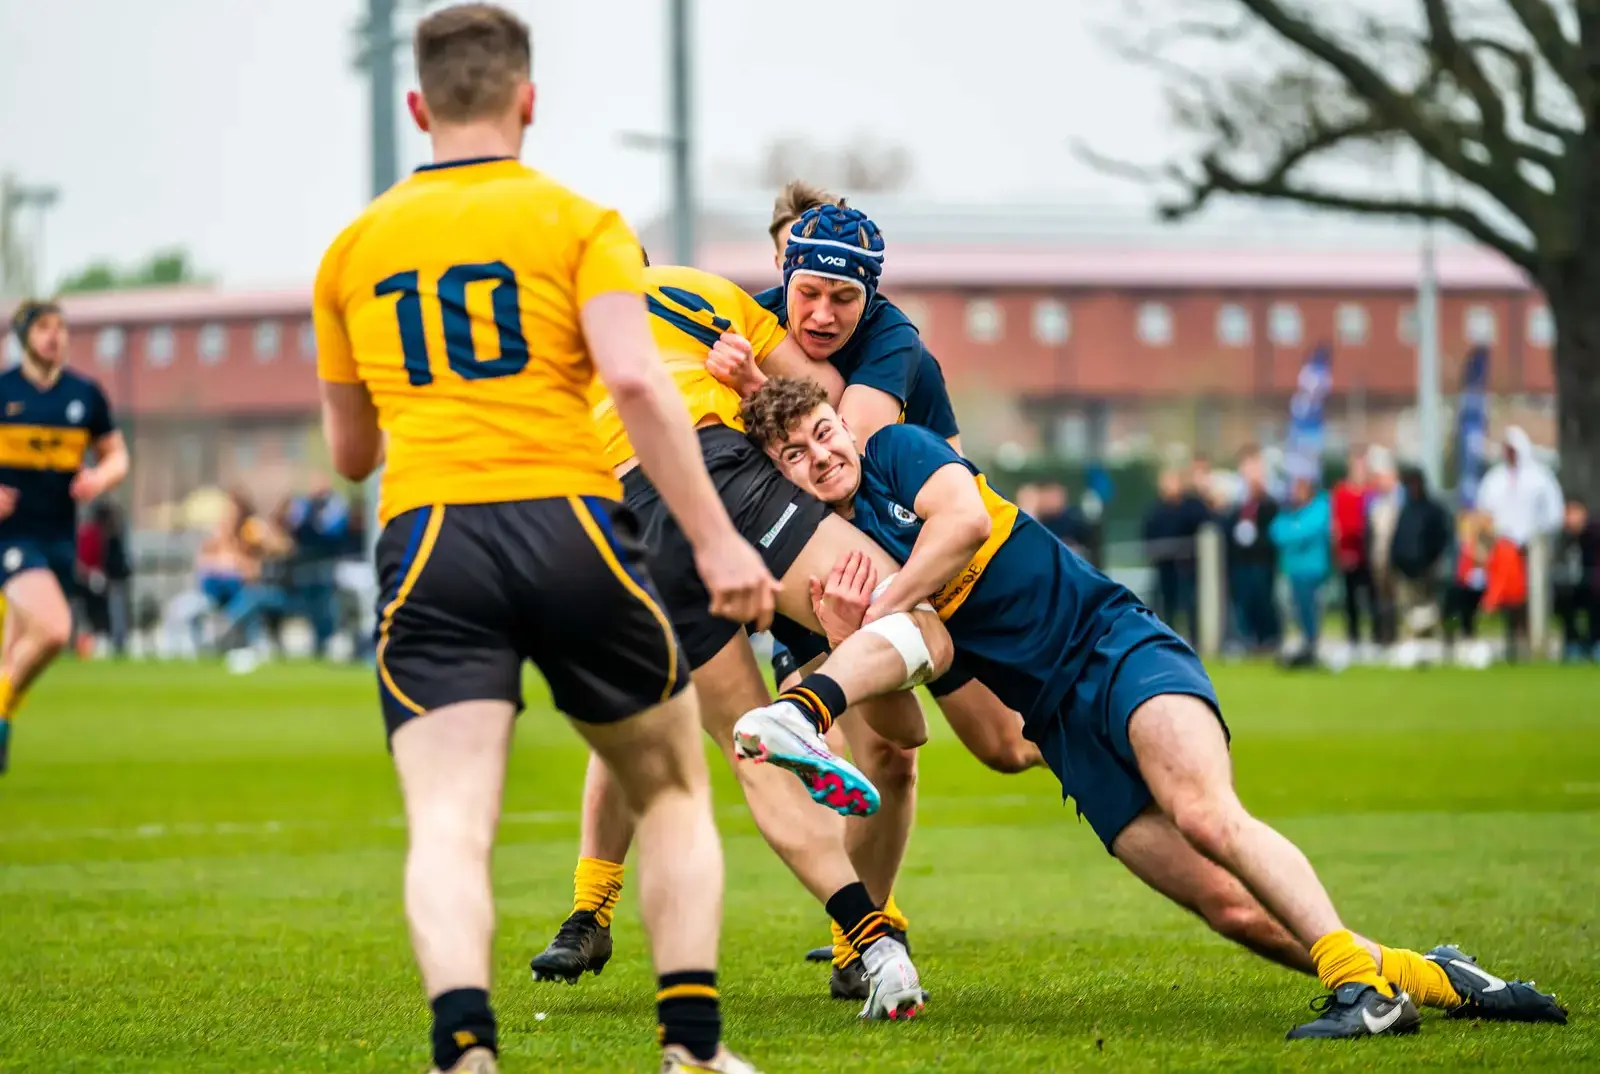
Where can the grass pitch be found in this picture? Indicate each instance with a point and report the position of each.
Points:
(201, 872)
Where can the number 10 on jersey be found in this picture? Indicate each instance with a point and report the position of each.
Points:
(459, 349)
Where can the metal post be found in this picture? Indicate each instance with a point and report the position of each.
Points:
(1539, 596)
(376, 60)
(681, 135)
(379, 53)
(1428, 399)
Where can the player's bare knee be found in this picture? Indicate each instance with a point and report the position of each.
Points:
(1235, 915)
(1207, 824)
(51, 633)
(892, 768)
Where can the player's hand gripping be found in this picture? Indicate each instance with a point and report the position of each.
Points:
(733, 362)
(8, 501)
(842, 601)
(86, 485)
(741, 587)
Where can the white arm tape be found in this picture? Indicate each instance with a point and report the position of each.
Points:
(901, 631)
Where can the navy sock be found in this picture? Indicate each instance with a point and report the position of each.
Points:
(820, 698)
(687, 1013)
(461, 1020)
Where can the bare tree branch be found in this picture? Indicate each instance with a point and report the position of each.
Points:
(1218, 178)
(1527, 87)
(1565, 58)
(1393, 104)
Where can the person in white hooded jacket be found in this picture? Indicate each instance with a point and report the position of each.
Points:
(1520, 493)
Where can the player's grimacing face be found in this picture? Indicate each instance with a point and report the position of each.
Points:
(823, 313)
(819, 455)
(47, 338)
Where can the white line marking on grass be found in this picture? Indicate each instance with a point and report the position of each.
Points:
(198, 830)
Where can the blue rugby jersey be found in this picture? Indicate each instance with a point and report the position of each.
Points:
(887, 353)
(44, 438)
(1026, 611)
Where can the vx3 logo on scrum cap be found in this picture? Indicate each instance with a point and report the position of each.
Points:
(834, 262)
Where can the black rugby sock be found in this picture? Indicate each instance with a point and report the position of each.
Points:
(820, 698)
(461, 1020)
(687, 1013)
(863, 923)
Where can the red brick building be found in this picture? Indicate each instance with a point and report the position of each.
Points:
(1087, 349)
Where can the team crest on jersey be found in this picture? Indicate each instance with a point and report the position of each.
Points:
(13, 409)
(901, 515)
(75, 411)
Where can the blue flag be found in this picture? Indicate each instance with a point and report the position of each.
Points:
(1308, 414)
(1472, 425)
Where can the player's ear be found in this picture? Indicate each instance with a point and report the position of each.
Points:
(419, 110)
(525, 97)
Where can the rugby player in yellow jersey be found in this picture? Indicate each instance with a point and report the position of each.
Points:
(460, 322)
(694, 313)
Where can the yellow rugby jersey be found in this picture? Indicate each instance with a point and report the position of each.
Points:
(689, 311)
(454, 298)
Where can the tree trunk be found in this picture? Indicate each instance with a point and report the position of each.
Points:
(1574, 297)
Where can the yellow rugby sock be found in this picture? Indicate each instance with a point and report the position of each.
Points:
(1426, 982)
(8, 696)
(897, 918)
(596, 886)
(1341, 961)
(844, 951)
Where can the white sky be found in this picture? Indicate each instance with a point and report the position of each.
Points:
(238, 129)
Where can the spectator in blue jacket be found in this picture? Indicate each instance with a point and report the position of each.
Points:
(319, 522)
(1303, 535)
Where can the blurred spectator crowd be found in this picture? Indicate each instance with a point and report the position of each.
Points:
(1410, 576)
(254, 574)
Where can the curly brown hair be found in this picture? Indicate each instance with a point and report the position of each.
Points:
(780, 404)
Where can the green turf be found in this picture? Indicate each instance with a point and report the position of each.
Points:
(200, 872)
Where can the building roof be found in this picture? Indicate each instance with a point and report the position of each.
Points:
(960, 247)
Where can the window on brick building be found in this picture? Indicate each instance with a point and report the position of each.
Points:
(1155, 324)
(1233, 325)
(1284, 324)
(159, 345)
(212, 343)
(1052, 322)
(268, 338)
(985, 322)
(1352, 323)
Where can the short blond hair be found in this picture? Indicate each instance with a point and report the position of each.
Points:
(470, 60)
(794, 200)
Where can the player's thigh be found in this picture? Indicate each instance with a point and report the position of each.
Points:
(452, 768)
(729, 685)
(833, 538)
(587, 611)
(1163, 717)
(35, 596)
(989, 729)
(447, 616)
(655, 751)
